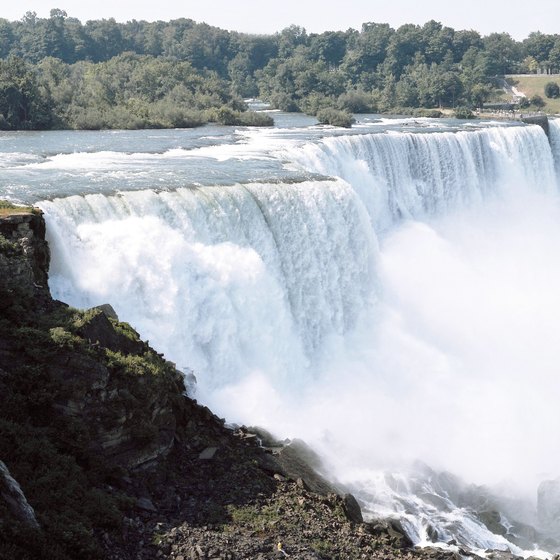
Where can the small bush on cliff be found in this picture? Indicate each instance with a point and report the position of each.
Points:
(8, 248)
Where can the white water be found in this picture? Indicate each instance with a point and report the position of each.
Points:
(406, 310)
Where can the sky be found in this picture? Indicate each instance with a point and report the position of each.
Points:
(516, 17)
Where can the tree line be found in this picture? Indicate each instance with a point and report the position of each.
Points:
(57, 72)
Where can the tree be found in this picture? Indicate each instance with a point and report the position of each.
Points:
(554, 56)
(552, 90)
(329, 47)
(538, 101)
(538, 45)
(503, 53)
(22, 104)
(6, 38)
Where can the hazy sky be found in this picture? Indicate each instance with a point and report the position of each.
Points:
(517, 17)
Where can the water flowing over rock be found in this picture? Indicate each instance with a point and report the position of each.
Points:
(262, 280)
(275, 292)
(548, 504)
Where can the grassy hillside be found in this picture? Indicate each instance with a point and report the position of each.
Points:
(533, 84)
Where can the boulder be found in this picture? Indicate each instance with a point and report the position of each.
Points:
(98, 329)
(108, 310)
(298, 461)
(352, 508)
(493, 521)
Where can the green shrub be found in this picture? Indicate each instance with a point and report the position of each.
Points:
(251, 118)
(335, 117)
(8, 248)
(537, 101)
(315, 102)
(284, 102)
(463, 113)
(230, 117)
(357, 101)
(552, 90)
(61, 337)
(429, 113)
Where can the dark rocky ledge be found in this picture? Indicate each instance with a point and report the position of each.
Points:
(104, 456)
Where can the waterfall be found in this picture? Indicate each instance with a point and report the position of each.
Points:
(554, 132)
(225, 280)
(409, 175)
(380, 312)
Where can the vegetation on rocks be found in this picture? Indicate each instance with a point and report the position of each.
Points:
(463, 113)
(335, 117)
(7, 208)
(51, 434)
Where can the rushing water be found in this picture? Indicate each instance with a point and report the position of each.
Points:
(387, 293)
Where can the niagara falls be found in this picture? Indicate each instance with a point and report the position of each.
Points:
(387, 294)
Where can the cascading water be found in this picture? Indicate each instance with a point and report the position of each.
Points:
(407, 175)
(387, 315)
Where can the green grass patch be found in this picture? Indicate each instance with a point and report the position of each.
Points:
(8, 208)
(533, 84)
(254, 517)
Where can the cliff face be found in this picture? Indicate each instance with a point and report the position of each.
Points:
(83, 401)
(112, 382)
(24, 254)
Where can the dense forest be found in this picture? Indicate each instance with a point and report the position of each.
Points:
(57, 72)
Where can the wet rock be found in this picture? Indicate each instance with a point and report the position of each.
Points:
(352, 508)
(298, 461)
(12, 495)
(208, 454)
(501, 555)
(146, 504)
(493, 521)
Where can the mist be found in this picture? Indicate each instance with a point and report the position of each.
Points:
(455, 364)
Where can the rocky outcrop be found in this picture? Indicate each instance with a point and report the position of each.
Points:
(111, 383)
(132, 420)
(16, 502)
(298, 462)
(25, 256)
(540, 120)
